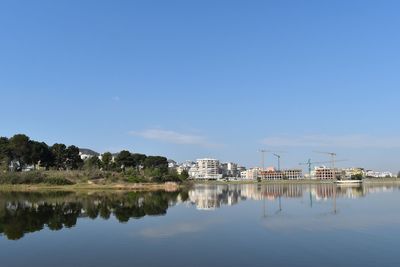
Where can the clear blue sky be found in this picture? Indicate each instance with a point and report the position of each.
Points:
(190, 79)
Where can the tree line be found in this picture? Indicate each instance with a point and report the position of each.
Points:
(20, 151)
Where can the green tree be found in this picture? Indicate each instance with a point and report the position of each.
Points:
(152, 162)
(124, 159)
(74, 160)
(106, 160)
(184, 175)
(138, 159)
(41, 154)
(92, 163)
(20, 148)
(358, 176)
(4, 153)
(60, 155)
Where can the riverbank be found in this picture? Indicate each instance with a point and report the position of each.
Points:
(82, 180)
(168, 187)
(367, 181)
(104, 185)
(266, 182)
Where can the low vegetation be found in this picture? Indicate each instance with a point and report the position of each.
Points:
(32, 178)
(62, 165)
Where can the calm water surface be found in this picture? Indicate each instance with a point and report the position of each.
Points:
(208, 225)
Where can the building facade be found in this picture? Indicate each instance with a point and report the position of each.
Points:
(251, 174)
(272, 174)
(375, 174)
(325, 173)
(293, 174)
(206, 169)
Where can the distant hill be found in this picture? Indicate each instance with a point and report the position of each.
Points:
(87, 151)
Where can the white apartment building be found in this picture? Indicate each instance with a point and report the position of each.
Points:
(229, 169)
(376, 174)
(250, 174)
(206, 169)
(232, 168)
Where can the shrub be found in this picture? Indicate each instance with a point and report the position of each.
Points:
(21, 178)
(15, 178)
(57, 181)
(135, 179)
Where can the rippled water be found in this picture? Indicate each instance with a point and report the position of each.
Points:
(208, 225)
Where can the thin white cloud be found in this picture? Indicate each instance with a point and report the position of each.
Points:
(177, 229)
(348, 141)
(173, 137)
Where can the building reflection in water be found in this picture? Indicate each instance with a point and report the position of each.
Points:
(22, 213)
(211, 196)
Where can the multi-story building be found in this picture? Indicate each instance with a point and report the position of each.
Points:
(185, 166)
(325, 173)
(241, 169)
(250, 174)
(194, 172)
(375, 174)
(223, 169)
(351, 172)
(206, 169)
(229, 169)
(293, 174)
(232, 169)
(272, 174)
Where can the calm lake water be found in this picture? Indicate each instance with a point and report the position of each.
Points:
(208, 225)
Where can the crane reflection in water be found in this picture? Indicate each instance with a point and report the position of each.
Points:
(27, 212)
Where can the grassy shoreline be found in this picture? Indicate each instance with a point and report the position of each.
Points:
(80, 180)
(94, 187)
(171, 186)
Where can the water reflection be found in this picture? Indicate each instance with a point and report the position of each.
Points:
(22, 213)
(210, 197)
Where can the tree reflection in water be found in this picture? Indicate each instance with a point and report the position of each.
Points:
(22, 213)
